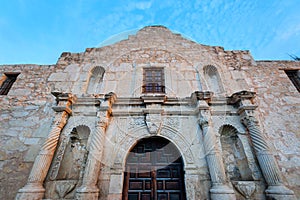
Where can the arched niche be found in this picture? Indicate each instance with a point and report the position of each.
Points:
(234, 156)
(213, 79)
(95, 80)
(75, 154)
(68, 164)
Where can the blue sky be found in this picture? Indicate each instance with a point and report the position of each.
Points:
(38, 31)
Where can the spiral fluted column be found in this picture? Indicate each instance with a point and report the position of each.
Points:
(89, 189)
(34, 190)
(220, 189)
(267, 162)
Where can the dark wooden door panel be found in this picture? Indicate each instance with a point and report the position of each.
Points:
(154, 171)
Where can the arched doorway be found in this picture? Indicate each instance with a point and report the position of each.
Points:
(154, 171)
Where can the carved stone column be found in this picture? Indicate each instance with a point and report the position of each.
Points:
(220, 189)
(34, 190)
(269, 167)
(89, 189)
(267, 162)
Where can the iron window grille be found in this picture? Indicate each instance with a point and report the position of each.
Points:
(153, 80)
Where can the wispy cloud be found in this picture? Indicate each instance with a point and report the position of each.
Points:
(138, 5)
(259, 26)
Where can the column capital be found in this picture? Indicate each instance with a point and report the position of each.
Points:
(60, 119)
(202, 95)
(103, 118)
(203, 121)
(240, 96)
(247, 119)
(64, 102)
(204, 118)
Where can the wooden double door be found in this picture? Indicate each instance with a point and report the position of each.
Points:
(154, 171)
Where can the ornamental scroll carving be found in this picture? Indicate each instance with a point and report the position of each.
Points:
(130, 139)
(135, 122)
(172, 122)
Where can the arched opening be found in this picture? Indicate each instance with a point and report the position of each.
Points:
(154, 170)
(235, 159)
(213, 79)
(75, 154)
(95, 80)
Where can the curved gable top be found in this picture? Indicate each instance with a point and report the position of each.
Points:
(125, 35)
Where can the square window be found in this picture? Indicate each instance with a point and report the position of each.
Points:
(154, 80)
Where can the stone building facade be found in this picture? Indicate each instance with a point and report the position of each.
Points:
(155, 116)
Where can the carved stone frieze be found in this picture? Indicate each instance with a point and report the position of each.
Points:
(182, 144)
(173, 122)
(135, 122)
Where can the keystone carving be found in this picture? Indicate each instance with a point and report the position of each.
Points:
(153, 122)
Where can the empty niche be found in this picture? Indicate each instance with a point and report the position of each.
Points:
(234, 157)
(95, 80)
(75, 155)
(213, 79)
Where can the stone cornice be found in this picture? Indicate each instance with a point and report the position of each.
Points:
(200, 95)
(154, 98)
(238, 96)
(64, 102)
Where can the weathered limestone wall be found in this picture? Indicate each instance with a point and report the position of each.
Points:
(25, 119)
(279, 110)
(152, 46)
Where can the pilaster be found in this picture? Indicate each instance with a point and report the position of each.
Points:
(276, 189)
(89, 189)
(220, 189)
(34, 187)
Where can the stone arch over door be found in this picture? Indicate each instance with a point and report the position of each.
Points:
(129, 140)
(154, 170)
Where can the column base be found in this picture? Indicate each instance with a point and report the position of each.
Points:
(279, 192)
(222, 192)
(85, 192)
(31, 191)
